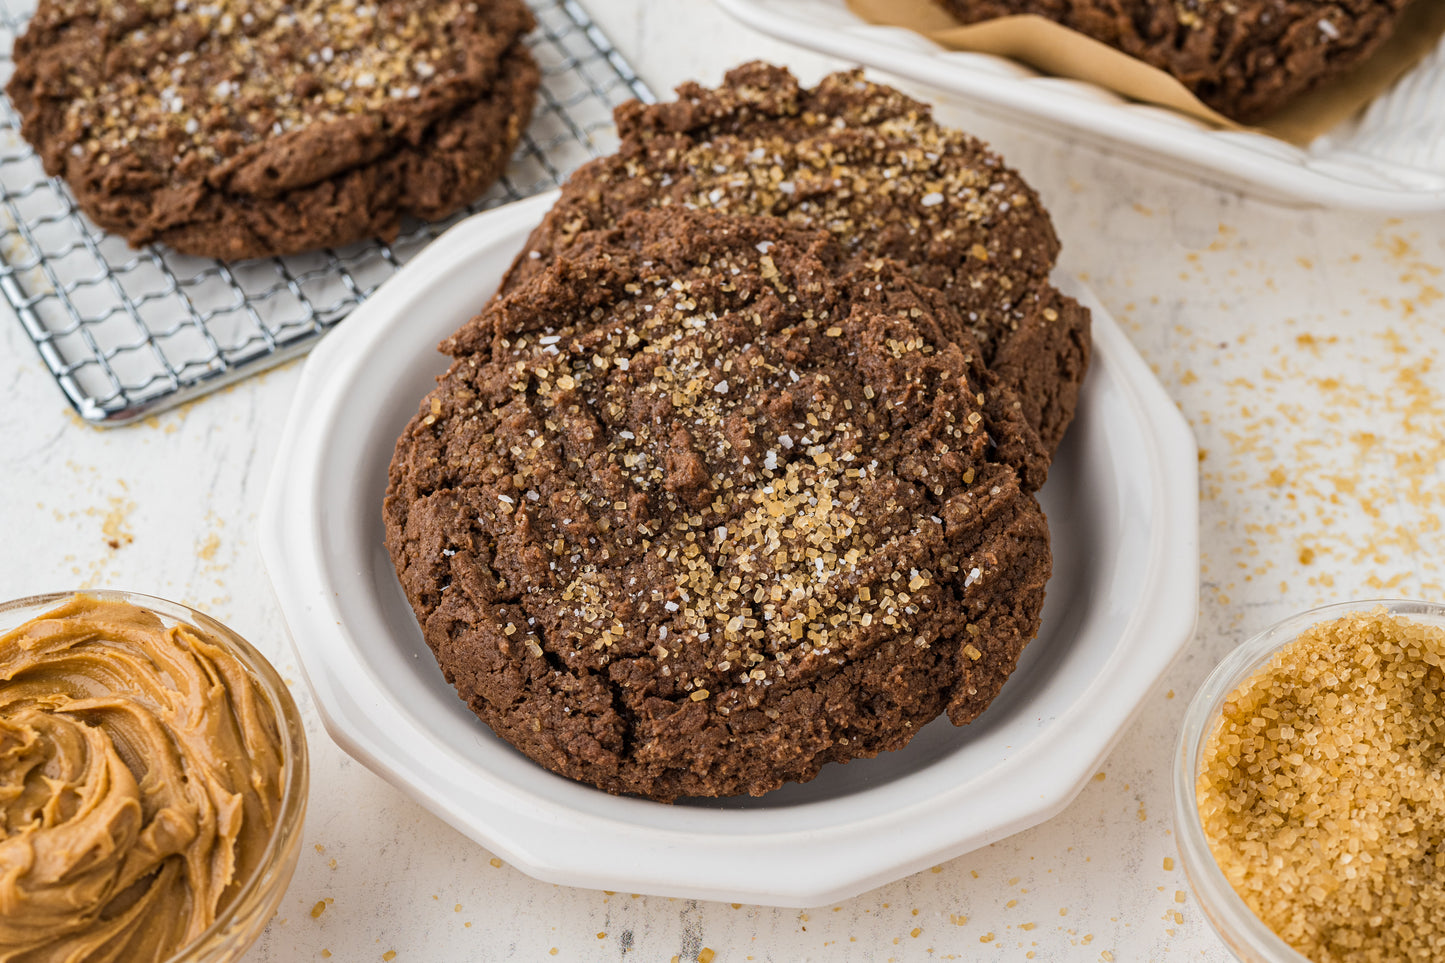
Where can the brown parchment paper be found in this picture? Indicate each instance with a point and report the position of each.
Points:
(1053, 49)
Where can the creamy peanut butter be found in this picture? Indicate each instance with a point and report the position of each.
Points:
(140, 780)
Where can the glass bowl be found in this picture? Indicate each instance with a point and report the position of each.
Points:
(1246, 935)
(238, 924)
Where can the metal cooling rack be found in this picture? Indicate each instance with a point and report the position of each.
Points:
(127, 333)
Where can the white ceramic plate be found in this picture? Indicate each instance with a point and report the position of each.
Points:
(1122, 505)
(1392, 158)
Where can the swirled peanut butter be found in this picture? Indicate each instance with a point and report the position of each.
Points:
(140, 779)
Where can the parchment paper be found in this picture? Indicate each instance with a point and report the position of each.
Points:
(1053, 49)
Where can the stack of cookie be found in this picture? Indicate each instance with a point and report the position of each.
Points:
(735, 476)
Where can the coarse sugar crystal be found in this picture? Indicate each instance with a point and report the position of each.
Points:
(1322, 790)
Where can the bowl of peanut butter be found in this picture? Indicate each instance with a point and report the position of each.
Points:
(153, 782)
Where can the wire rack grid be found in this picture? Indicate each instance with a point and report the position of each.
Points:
(130, 332)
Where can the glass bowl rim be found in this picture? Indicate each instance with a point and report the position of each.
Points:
(295, 772)
(1231, 918)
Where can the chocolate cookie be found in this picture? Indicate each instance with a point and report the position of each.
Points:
(703, 506)
(1245, 58)
(234, 130)
(871, 166)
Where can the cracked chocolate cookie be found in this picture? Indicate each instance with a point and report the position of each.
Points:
(235, 130)
(705, 505)
(871, 166)
(1244, 58)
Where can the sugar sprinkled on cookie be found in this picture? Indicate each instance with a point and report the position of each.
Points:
(698, 512)
(872, 167)
(237, 129)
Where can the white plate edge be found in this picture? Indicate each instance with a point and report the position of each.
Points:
(1171, 137)
(280, 531)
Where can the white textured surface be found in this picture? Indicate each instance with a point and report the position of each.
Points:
(1306, 349)
(1407, 125)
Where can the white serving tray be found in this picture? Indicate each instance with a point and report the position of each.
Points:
(1391, 158)
(1123, 512)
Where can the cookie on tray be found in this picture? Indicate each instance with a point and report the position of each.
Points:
(871, 166)
(235, 130)
(1245, 58)
(703, 506)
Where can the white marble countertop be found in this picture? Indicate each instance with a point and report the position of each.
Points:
(1306, 348)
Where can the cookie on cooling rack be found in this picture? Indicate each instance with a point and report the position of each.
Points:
(234, 130)
(705, 506)
(870, 165)
(1244, 58)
